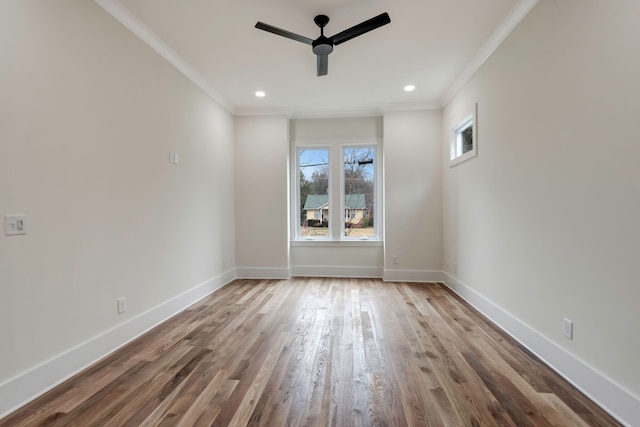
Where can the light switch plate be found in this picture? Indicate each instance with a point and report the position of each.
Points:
(174, 158)
(15, 224)
(567, 328)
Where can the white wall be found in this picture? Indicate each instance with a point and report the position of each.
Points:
(350, 259)
(412, 213)
(413, 195)
(88, 115)
(351, 128)
(262, 196)
(543, 223)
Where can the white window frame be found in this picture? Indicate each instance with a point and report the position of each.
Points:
(296, 208)
(335, 191)
(456, 155)
(376, 191)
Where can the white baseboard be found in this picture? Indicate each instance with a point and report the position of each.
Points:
(412, 276)
(263, 273)
(25, 387)
(613, 398)
(335, 271)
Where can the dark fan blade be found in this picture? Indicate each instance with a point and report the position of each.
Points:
(364, 27)
(283, 33)
(323, 65)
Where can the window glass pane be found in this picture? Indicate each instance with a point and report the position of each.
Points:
(359, 190)
(314, 192)
(466, 135)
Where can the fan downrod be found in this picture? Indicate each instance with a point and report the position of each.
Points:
(322, 45)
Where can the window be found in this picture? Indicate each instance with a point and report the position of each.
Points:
(358, 177)
(313, 191)
(336, 192)
(463, 140)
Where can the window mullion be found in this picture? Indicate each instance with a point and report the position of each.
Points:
(336, 193)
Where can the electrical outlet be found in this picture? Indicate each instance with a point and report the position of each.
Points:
(455, 268)
(567, 328)
(395, 259)
(122, 305)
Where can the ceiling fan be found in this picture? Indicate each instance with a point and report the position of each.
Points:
(323, 46)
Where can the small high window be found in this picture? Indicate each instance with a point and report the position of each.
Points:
(463, 140)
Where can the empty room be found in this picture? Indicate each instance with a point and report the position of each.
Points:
(287, 213)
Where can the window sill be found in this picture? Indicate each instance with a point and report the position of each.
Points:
(336, 243)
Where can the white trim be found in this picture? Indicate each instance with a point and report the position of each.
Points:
(137, 27)
(412, 276)
(336, 271)
(411, 106)
(328, 142)
(291, 114)
(514, 17)
(622, 404)
(263, 273)
(337, 243)
(336, 114)
(264, 112)
(25, 387)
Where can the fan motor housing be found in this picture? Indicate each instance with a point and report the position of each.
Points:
(322, 46)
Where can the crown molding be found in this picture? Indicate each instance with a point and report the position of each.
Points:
(425, 105)
(137, 27)
(131, 22)
(512, 20)
(337, 114)
(264, 112)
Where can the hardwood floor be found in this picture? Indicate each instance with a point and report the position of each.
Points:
(318, 352)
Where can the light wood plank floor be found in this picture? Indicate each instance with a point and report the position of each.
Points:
(318, 352)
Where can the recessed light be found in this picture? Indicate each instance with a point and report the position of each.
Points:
(409, 88)
(260, 94)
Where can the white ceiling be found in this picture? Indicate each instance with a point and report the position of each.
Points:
(433, 44)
